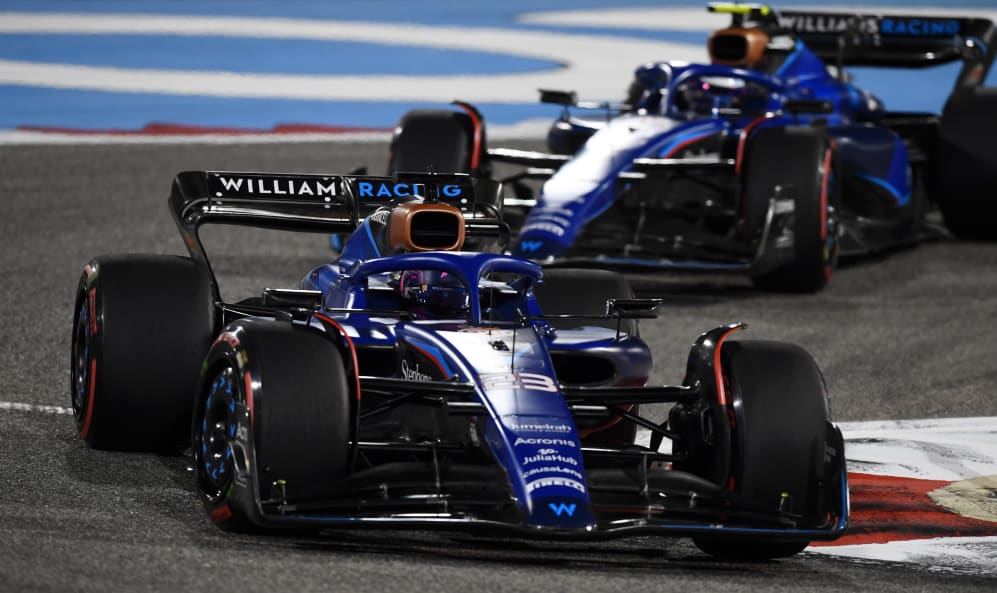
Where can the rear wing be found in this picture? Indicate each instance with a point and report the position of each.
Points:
(871, 39)
(312, 203)
(895, 40)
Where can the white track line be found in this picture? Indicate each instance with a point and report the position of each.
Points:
(941, 449)
(959, 555)
(19, 407)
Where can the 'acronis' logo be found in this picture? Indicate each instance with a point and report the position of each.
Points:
(383, 189)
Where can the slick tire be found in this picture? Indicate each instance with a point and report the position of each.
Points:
(445, 141)
(800, 162)
(141, 327)
(272, 421)
(964, 178)
(779, 441)
(437, 140)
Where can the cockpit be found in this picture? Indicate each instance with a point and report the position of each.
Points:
(436, 294)
(696, 94)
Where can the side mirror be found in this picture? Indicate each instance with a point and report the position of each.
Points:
(632, 308)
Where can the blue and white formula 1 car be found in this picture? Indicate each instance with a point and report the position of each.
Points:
(412, 384)
(766, 161)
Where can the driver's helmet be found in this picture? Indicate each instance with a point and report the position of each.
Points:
(701, 95)
(433, 292)
(694, 97)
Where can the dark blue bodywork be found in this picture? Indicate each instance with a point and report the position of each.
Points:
(530, 430)
(486, 412)
(676, 176)
(664, 124)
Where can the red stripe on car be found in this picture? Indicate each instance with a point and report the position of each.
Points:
(717, 370)
(351, 346)
(743, 140)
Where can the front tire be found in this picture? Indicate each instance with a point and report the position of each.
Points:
(779, 441)
(141, 326)
(272, 420)
(964, 177)
(799, 161)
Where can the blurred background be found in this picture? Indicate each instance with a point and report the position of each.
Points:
(158, 66)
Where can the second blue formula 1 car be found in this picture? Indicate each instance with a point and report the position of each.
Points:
(412, 384)
(766, 161)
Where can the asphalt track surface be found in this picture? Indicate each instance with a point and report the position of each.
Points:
(905, 336)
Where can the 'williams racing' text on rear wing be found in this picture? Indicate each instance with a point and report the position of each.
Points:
(905, 41)
(310, 203)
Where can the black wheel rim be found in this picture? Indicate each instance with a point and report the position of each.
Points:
(81, 360)
(214, 435)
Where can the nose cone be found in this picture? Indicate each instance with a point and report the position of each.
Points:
(548, 459)
(561, 512)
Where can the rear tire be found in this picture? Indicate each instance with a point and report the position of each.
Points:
(779, 438)
(797, 160)
(437, 140)
(443, 141)
(141, 326)
(289, 438)
(964, 180)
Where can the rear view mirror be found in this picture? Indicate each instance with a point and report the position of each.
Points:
(632, 308)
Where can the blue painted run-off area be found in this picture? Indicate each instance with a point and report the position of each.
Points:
(250, 55)
(42, 106)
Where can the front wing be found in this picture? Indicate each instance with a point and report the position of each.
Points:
(478, 498)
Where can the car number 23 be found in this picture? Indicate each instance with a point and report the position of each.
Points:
(533, 381)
